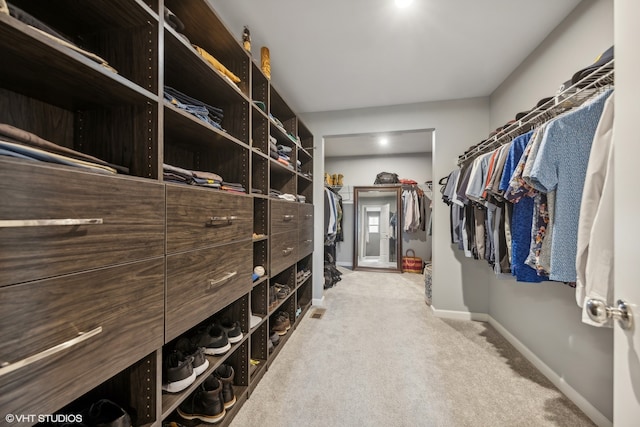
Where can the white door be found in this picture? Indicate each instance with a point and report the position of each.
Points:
(626, 131)
(384, 233)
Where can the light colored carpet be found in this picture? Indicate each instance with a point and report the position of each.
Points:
(378, 357)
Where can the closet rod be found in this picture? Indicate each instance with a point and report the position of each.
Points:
(569, 97)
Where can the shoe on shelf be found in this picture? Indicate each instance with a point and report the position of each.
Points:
(285, 316)
(328, 179)
(282, 291)
(224, 373)
(106, 413)
(270, 344)
(274, 337)
(337, 179)
(213, 339)
(177, 372)
(186, 346)
(273, 298)
(281, 323)
(232, 329)
(254, 320)
(204, 404)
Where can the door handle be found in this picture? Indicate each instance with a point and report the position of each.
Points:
(599, 312)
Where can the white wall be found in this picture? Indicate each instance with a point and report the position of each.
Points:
(362, 171)
(459, 284)
(545, 317)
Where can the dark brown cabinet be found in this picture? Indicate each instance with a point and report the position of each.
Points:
(102, 272)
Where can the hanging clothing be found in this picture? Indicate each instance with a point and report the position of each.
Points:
(594, 261)
(561, 165)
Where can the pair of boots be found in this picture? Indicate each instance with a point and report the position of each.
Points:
(212, 398)
(333, 180)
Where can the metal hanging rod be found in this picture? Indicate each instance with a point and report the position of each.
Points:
(566, 99)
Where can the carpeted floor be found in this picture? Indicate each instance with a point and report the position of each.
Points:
(378, 357)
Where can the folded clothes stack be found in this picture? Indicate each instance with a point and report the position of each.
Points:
(233, 187)
(185, 176)
(19, 143)
(301, 198)
(54, 35)
(199, 109)
(273, 148)
(299, 166)
(278, 123)
(283, 155)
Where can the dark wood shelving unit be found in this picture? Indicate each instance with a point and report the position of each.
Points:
(182, 254)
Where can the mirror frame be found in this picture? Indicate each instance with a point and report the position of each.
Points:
(391, 189)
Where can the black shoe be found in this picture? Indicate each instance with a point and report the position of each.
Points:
(232, 329)
(177, 371)
(225, 374)
(204, 404)
(200, 362)
(213, 339)
(105, 413)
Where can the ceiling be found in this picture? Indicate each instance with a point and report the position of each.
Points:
(342, 54)
(407, 142)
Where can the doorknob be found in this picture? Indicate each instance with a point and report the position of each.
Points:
(599, 312)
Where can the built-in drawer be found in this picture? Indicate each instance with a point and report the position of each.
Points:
(305, 242)
(284, 251)
(200, 217)
(284, 216)
(63, 336)
(204, 281)
(305, 215)
(57, 221)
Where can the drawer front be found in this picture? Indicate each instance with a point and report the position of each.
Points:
(200, 217)
(305, 242)
(284, 216)
(284, 251)
(126, 302)
(92, 221)
(202, 282)
(305, 214)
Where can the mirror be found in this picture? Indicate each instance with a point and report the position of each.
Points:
(377, 240)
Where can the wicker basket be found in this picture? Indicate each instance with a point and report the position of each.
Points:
(411, 263)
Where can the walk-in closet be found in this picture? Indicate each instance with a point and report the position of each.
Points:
(372, 212)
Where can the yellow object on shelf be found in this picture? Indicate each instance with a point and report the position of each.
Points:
(216, 64)
(265, 61)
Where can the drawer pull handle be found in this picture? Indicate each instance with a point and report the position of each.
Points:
(308, 241)
(11, 223)
(5, 368)
(308, 216)
(222, 279)
(217, 220)
(288, 217)
(287, 251)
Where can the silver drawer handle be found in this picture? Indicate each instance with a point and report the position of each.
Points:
(308, 241)
(5, 367)
(10, 223)
(287, 251)
(222, 279)
(216, 220)
(288, 217)
(308, 216)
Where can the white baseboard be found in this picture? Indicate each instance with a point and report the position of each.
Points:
(318, 302)
(345, 264)
(582, 403)
(459, 315)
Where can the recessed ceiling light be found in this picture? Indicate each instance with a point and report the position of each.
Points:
(403, 3)
(383, 141)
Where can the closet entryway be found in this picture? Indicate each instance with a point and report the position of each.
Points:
(379, 357)
(371, 232)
